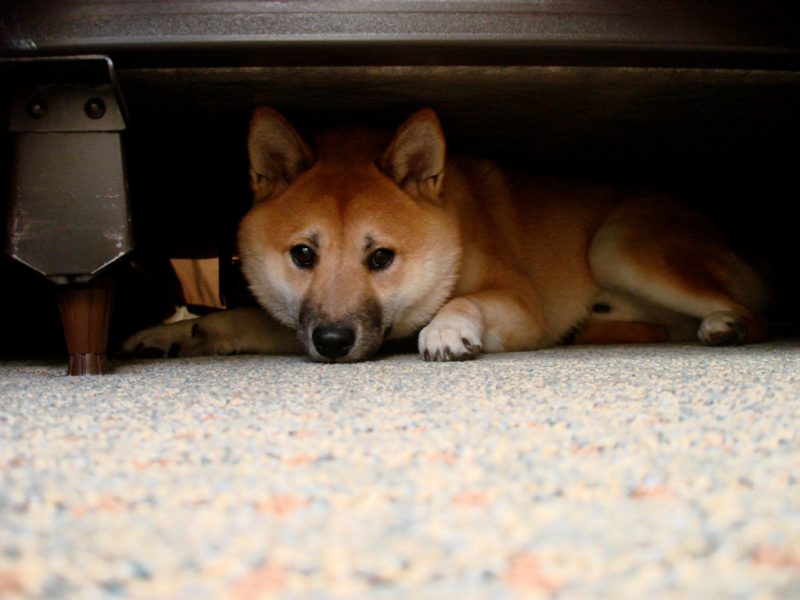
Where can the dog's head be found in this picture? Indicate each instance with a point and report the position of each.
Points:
(348, 242)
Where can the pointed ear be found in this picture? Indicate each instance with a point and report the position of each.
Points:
(277, 154)
(415, 157)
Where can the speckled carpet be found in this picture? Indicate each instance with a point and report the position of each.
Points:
(650, 472)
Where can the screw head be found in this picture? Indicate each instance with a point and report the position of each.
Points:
(95, 108)
(36, 109)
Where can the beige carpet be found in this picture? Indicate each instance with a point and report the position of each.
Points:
(649, 472)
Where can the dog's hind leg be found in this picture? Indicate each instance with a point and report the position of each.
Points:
(666, 255)
(235, 331)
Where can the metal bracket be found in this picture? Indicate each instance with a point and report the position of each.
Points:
(69, 214)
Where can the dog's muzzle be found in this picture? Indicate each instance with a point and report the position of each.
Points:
(347, 338)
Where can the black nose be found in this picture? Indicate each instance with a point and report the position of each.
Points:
(333, 341)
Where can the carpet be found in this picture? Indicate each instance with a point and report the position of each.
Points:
(619, 472)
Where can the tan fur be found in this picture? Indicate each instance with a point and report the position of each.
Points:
(484, 260)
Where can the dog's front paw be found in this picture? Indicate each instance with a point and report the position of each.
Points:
(159, 341)
(722, 329)
(450, 337)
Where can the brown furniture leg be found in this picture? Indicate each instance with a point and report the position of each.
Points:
(85, 312)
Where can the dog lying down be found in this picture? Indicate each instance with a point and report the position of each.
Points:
(363, 237)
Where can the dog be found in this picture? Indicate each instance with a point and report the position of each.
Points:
(364, 237)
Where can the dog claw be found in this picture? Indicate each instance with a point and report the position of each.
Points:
(472, 349)
(447, 354)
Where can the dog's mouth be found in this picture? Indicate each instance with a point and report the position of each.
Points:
(340, 342)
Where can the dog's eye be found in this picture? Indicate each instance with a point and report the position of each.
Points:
(380, 259)
(303, 256)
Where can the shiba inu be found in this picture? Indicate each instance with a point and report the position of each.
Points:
(362, 237)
